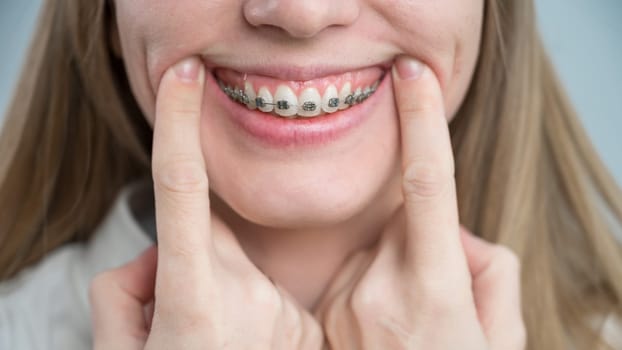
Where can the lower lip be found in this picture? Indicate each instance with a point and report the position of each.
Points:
(273, 131)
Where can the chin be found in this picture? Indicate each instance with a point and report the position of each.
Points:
(300, 203)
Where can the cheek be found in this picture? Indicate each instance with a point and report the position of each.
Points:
(144, 32)
(157, 33)
(465, 58)
(447, 41)
(464, 38)
(133, 26)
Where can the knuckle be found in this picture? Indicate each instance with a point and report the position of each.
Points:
(184, 309)
(180, 104)
(181, 176)
(184, 255)
(327, 313)
(180, 112)
(420, 107)
(519, 341)
(188, 326)
(99, 286)
(515, 338)
(181, 319)
(506, 257)
(293, 317)
(365, 303)
(313, 337)
(264, 295)
(426, 179)
(186, 113)
(441, 298)
(331, 323)
(293, 324)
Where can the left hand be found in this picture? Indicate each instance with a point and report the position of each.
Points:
(427, 284)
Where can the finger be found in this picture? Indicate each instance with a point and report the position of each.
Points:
(341, 325)
(344, 281)
(302, 330)
(117, 298)
(180, 184)
(495, 272)
(433, 246)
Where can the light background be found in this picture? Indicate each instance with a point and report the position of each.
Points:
(584, 38)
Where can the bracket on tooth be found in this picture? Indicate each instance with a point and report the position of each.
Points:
(260, 102)
(350, 100)
(309, 106)
(282, 105)
(245, 99)
(240, 96)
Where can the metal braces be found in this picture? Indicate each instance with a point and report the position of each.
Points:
(308, 106)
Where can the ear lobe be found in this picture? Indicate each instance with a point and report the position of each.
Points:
(114, 41)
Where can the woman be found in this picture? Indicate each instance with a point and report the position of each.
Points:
(303, 162)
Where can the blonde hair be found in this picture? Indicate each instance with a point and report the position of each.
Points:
(526, 173)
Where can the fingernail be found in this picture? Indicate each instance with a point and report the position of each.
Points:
(407, 68)
(188, 70)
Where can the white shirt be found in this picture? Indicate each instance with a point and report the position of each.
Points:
(46, 306)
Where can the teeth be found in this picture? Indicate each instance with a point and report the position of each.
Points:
(366, 93)
(346, 91)
(328, 101)
(375, 86)
(264, 100)
(310, 103)
(358, 95)
(285, 101)
(250, 93)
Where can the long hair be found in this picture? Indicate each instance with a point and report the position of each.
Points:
(527, 176)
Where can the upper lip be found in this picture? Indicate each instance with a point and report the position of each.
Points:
(289, 72)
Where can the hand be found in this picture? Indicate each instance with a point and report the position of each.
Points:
(425, 285)
(208, 294)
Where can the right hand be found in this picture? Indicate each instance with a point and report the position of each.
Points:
(208, 294)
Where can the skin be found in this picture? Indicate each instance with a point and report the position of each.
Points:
(372, 243)
(317, 205)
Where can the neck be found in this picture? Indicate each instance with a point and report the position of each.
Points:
(303, 261)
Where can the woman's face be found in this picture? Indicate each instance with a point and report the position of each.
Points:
(323, 170)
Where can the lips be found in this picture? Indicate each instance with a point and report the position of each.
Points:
(309, 98)
(286, 113)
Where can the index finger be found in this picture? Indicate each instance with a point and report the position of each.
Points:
(433, 242)
(181, 187)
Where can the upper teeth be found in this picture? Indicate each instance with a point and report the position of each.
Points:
(285, 103)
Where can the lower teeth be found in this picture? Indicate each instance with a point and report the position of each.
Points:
(240, 96)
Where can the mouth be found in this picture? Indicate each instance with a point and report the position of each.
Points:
(300, 99)
(281, 113)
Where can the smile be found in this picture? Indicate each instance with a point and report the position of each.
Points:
(300, 99)
(280, 106)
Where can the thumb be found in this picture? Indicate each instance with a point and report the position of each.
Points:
(495, 272)
(118, 298)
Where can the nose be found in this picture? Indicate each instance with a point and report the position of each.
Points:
(301, 18)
